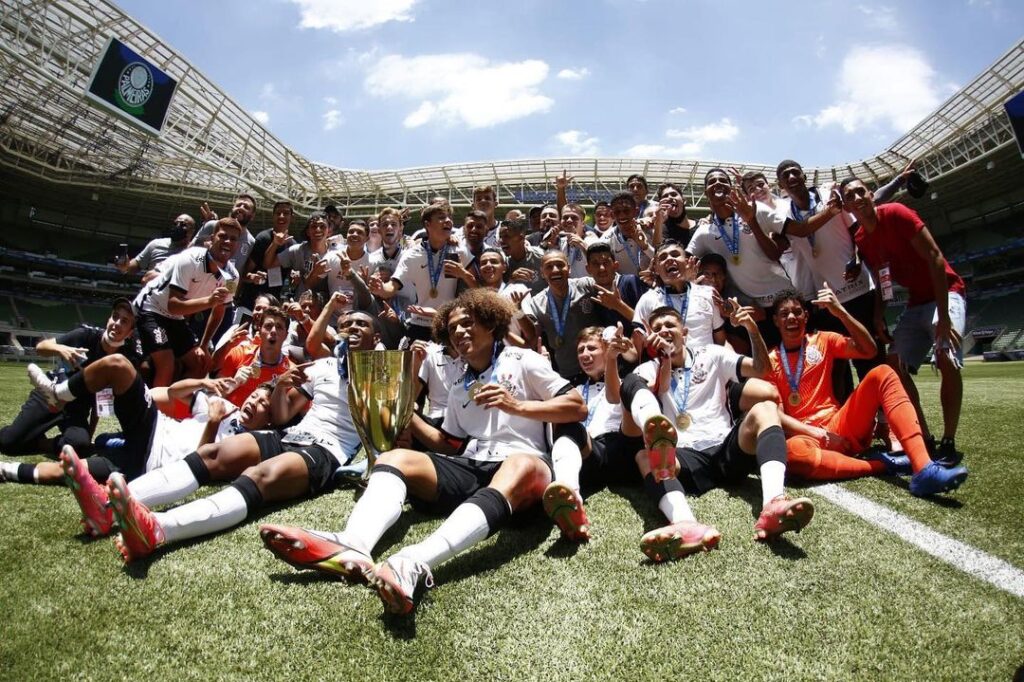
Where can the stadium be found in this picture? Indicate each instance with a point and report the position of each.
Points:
(882, 586)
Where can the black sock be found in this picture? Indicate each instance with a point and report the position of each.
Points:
(250, 492)
(198, 467)
(76, 384)
(658, 489)
(26, 473)
(494, 506)
(771, 446)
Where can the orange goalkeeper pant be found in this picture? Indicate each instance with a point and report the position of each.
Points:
(855, 421)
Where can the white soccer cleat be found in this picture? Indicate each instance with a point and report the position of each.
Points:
(44, 384)
(396, 581)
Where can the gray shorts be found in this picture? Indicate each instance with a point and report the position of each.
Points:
(915, 332)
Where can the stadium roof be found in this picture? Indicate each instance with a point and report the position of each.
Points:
(211, 147)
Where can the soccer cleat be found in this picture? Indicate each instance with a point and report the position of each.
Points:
(895, 464)
(97, 518)
(660, 442)
(678, 540)
(44, 385)
(565, 507)
(140, 533)
(782, 515)
(946, 453)
(308, 549)
(396, 581)
(936, 478)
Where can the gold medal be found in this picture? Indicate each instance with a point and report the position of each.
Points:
(558, 342)
(683, 421)
(736, 259)
(815, 250)
(433, 292)
(474, 389)
(794, 398)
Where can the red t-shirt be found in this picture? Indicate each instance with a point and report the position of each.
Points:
(245, 355)
(889, 243)
(817, 400)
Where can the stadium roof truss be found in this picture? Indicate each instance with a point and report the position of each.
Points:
(211, 147)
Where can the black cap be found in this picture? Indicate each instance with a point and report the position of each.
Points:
(916, 185)
(331, 209)
(124, 304)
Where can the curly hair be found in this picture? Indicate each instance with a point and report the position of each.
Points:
(491, 310)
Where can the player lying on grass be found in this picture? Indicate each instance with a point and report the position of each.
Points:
(151, 437)
(687, 407)
(489, 460)
(267, 466)
(595, 450)
(825, 435)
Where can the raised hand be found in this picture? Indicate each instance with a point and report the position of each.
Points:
(827, 299)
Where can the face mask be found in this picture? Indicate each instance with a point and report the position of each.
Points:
(178, 233)
(110, 340)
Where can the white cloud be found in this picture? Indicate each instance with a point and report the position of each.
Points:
(692, 140)
(573, 74)
(880, 17)
(261, 116)
(576, 143)
(352, 15)
(905, 95)
(332, 117)
(268, 91)
(461, 88)
(677, 110)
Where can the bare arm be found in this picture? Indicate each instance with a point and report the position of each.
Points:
(433, 438)
(758, 365)
(316, 346)
(926, 247)
(861, 344)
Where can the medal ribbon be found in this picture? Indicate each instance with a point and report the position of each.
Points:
(342, 356)
(732, 244)
(684, 305)
(800, 216)
(681, 406)
(559, 319)
(435, 272)
(793, 379)
(633, 256)
(586, 401)
(470, 376)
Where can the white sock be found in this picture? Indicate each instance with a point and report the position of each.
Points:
(9, 471)
(464, 528)
(645, 405)
(773, 477)
(63, 392)
(375, 512)
(566, 460)
(164, 485)
(220, 511)
(674, 506)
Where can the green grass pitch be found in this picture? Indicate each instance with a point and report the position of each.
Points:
(842, 600)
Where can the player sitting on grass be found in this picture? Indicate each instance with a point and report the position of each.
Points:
(489, 460)
(596, 451)
(267, 466)
(688, 407)
(824, 434)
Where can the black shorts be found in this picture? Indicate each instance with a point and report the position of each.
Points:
(137, 415)
(164, 333)
(704, 470)
(458, 478)
(320, 463)
(612, 461)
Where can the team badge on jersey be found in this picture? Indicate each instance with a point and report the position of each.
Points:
(813, 356)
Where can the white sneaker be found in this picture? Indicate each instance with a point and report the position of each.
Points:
(396, 580)
(44, 384)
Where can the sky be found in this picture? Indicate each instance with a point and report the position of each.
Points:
(381, 84)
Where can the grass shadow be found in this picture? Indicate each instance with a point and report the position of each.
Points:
(780, 546)
(515, 540)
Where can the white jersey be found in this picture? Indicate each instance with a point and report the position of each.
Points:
(174, 439)
(825, 253)
(414, 274)
(602, 416)
(630, 257)
(702, 315)
(756, 275)
(189, 271)
(493, 433)
(711, 369)
(336, 281)
(438, 373)
(328, 423)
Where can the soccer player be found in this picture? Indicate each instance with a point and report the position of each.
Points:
(485, 200)
(76, 349)
(572, 239)
(160, 249)
(274, 279)
(636, 186)
(618, 294)
(898, 247)
(597, 453)
(243, 210)
(253, 364)
(824, 434)
(309, 258)
(523, 258)
(423, 270)
(267, 466)
(557, 314)
(197, 279)
(692, 444)
(695, 302)
(675, 224)
(628, 242)
(488, 461)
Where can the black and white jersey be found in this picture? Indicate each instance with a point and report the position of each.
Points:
(328, 422)
(439, 372)
(190, 272)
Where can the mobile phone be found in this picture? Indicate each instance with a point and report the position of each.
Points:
(122, 256)
(245, 319)
(453, 258)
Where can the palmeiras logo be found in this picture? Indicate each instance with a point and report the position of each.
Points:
(129, 85)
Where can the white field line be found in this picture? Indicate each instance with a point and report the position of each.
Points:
(961, 556)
